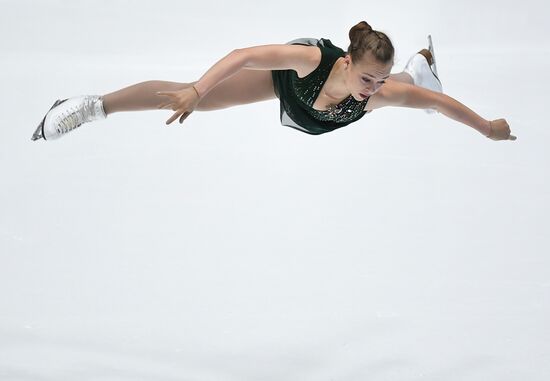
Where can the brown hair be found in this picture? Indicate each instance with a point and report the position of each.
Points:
(366, 40)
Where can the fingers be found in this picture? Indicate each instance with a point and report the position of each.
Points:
(500, 130)
(174, 117)
(179, 114)
(175, 104)
(184, 116)
(497, 138)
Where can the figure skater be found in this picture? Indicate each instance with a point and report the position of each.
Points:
(320, 88)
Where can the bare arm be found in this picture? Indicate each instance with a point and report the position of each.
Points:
(264, 57)
(400, 94)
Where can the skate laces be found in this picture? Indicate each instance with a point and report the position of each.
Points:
(75, 116)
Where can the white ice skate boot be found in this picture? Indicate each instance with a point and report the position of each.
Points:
(68, 114)
(422, 68)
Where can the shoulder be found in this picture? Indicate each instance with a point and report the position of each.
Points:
(313, 56)
(305, 58)
(392, 93)
(320, 51)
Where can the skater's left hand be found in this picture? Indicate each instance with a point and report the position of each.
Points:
(183, 102)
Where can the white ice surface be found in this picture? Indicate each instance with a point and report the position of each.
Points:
(403, 247)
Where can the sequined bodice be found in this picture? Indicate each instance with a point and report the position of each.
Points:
(308, 88)
(298, 95)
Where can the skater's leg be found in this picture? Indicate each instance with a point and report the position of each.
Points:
(141, 96)
(245, 86)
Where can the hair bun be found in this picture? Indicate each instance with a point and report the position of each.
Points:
(364, 39)
(365, 26)
(361, 28)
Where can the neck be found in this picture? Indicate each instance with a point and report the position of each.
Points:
(336, 85)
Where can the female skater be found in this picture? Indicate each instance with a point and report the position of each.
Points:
(320, 87)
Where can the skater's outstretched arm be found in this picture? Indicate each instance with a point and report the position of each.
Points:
(263, 57)
(401, 94)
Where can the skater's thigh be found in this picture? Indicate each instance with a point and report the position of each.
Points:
(245, 86)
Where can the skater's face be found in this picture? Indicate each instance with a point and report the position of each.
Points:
(365, 77)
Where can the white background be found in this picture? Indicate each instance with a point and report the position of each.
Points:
(406, 246)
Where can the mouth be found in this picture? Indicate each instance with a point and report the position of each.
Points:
(364, 96)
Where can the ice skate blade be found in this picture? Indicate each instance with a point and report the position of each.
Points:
(431, 49)
(39, 132)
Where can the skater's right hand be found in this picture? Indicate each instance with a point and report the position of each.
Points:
(500, 130)
(183, 102)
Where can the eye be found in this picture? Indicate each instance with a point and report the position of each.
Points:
(366, 79)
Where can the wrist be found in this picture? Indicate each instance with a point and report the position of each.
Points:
(196, 91)
(487, 128)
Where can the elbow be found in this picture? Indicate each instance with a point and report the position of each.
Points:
(241, 55)
(236, 53)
